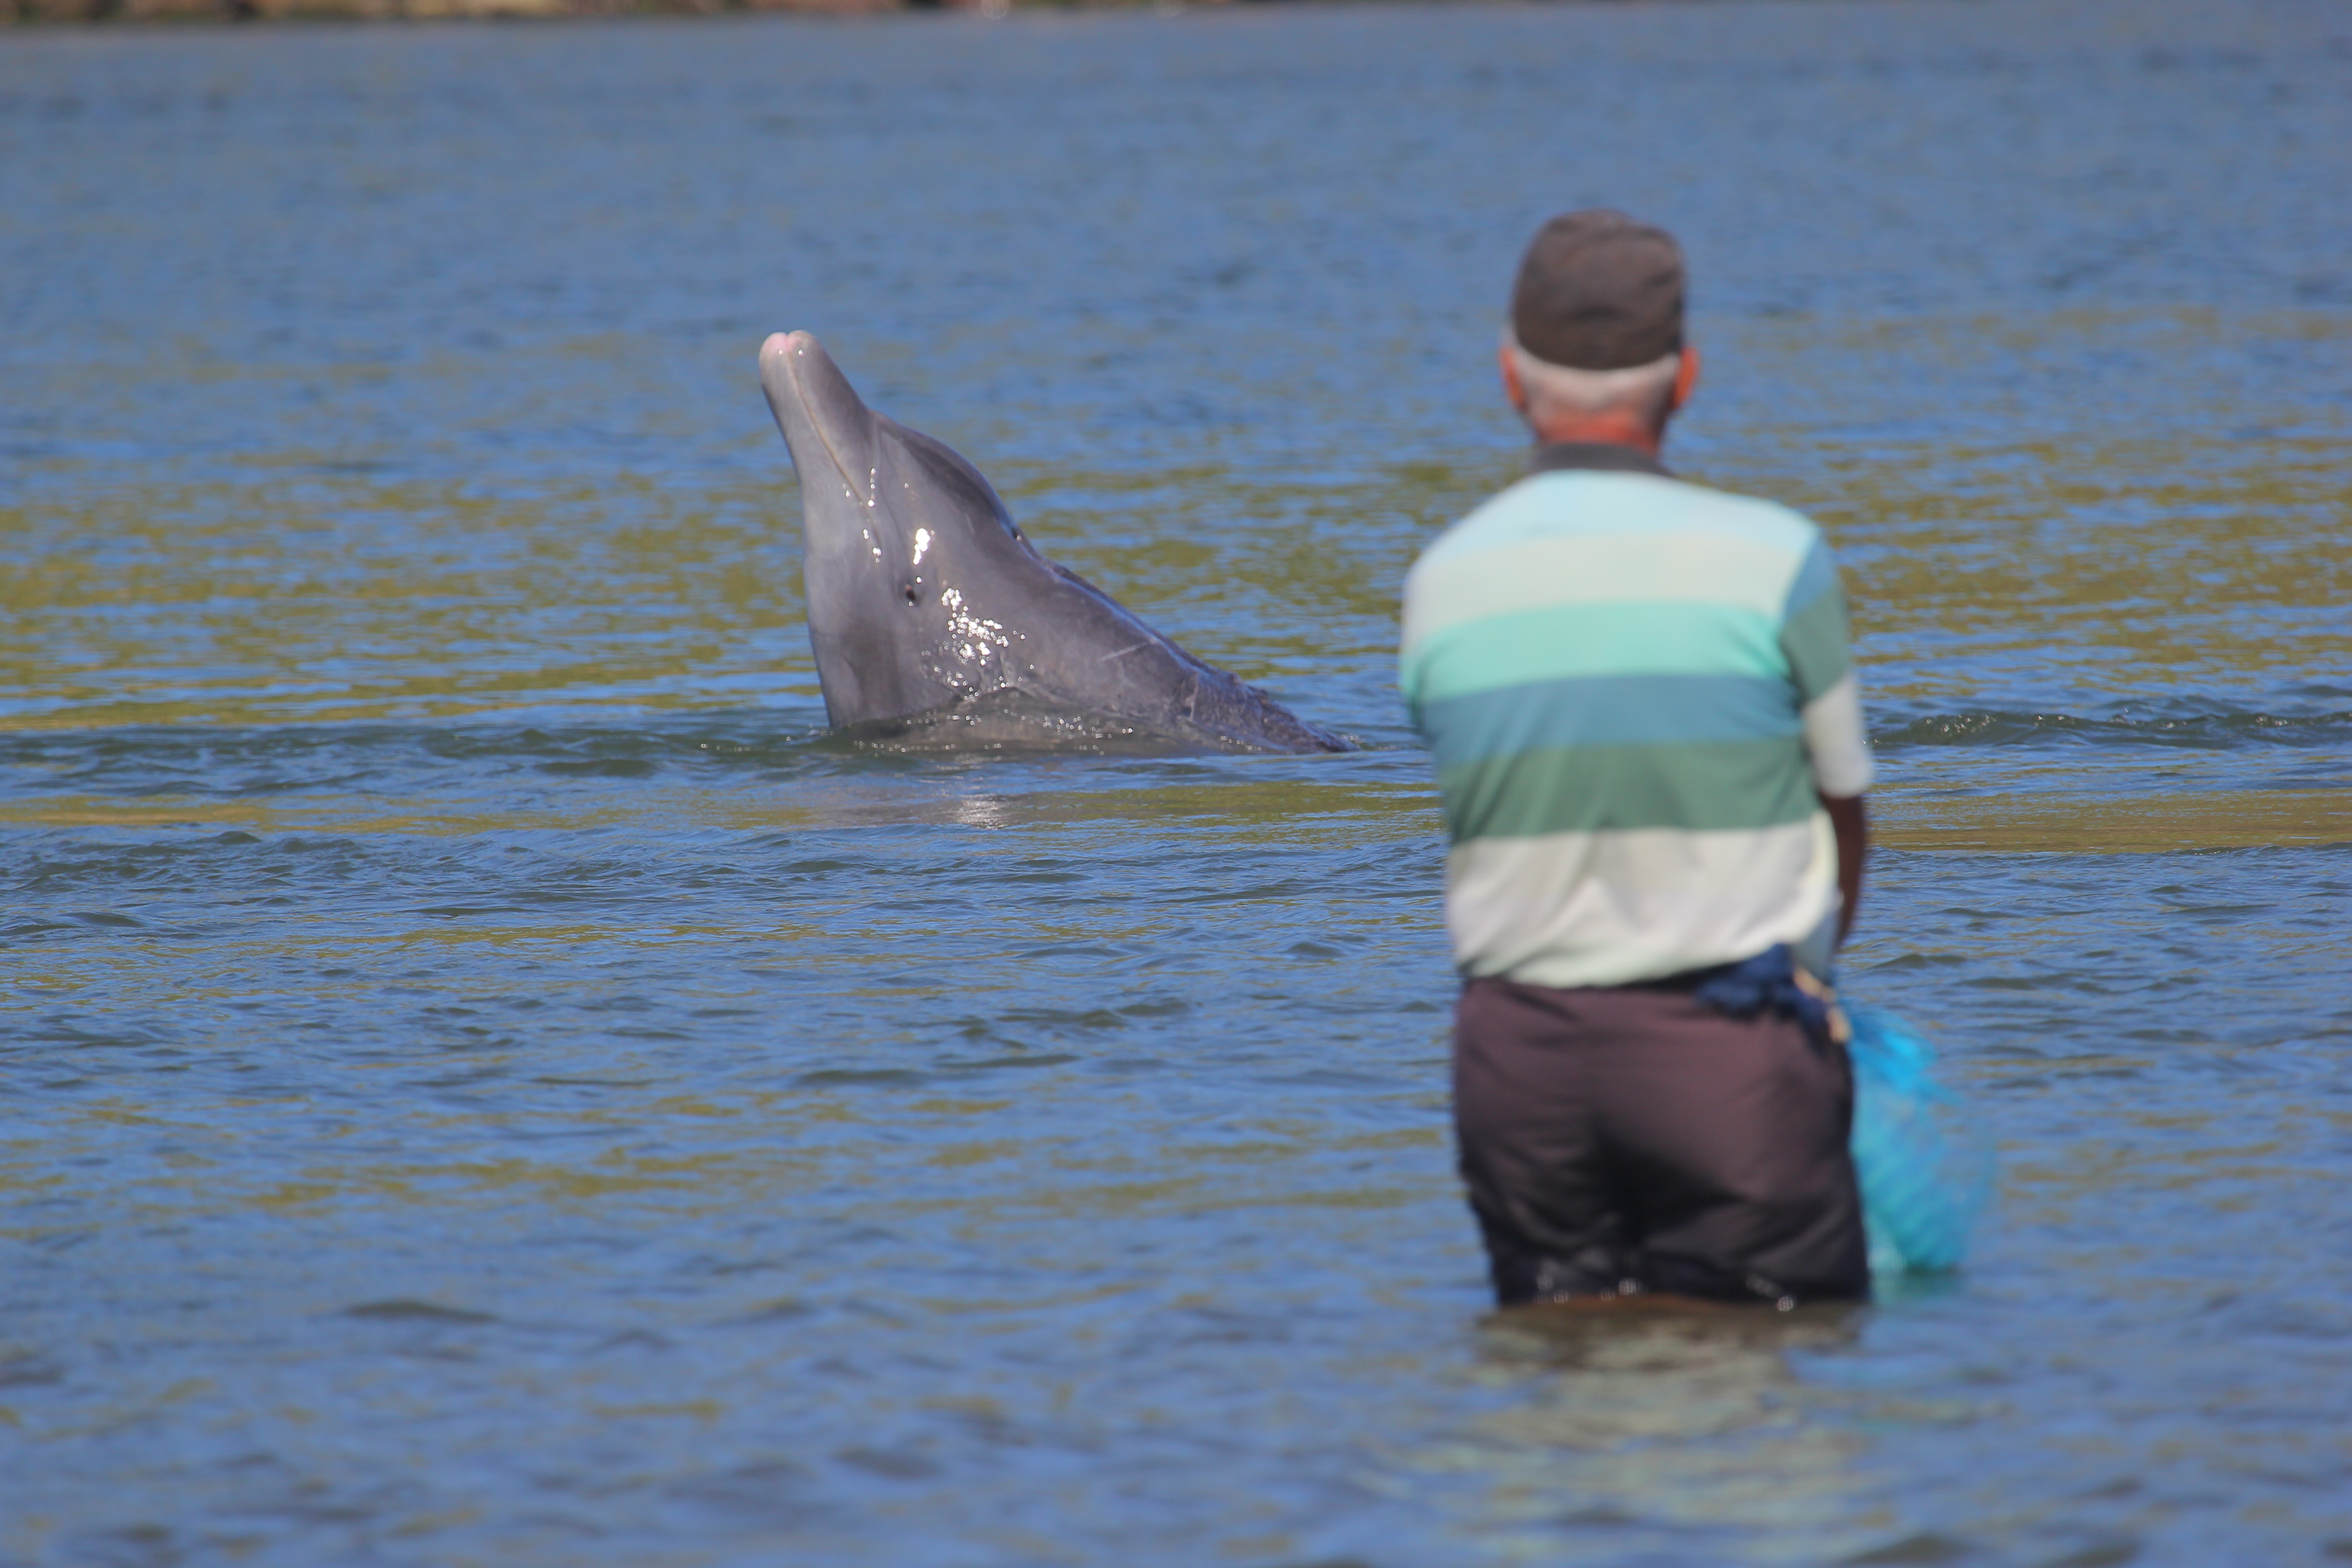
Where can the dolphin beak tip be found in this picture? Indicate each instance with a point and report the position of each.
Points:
(814, 406)
(782, 357)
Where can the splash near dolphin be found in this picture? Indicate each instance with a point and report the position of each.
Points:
(927, 609)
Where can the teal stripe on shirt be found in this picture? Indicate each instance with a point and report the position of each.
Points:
(1608, 710)
(1558, 642)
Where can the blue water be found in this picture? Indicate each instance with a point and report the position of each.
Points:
(486, 1081)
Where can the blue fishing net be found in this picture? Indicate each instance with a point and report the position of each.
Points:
(1926, 1166)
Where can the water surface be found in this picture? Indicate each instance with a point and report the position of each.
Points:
(487, 1081)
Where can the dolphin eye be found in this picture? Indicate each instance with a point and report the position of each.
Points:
(914, 594)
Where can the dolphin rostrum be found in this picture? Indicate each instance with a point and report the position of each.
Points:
(925, 600)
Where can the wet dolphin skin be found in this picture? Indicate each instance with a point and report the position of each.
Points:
(924, 599)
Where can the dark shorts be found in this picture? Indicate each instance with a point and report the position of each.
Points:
(1627, 1139)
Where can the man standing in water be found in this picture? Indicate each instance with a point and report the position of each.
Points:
(1644, 722)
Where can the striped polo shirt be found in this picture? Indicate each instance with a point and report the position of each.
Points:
(1632, 688)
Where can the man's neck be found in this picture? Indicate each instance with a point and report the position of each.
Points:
(1593, 458)
(1601, 430)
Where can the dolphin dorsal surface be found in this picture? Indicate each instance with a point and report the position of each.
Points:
(925, 600)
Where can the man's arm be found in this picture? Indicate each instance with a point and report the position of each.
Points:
(1851, 821)
(1821, 664)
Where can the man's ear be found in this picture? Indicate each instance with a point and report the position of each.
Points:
(1686, 379)
(1512, 389)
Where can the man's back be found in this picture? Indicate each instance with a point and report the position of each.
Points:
(1613, 669)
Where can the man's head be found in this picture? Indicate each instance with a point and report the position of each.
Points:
(1595, 350)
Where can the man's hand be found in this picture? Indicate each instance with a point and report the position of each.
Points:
(1850, 823)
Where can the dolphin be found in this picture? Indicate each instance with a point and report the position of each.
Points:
(925, 602)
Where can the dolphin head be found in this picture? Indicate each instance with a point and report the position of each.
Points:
(905, 548)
